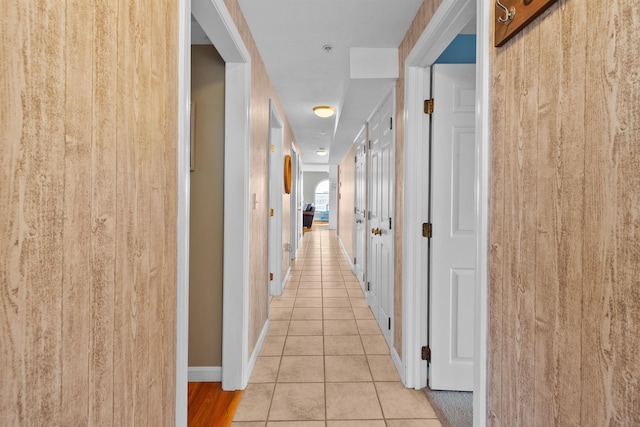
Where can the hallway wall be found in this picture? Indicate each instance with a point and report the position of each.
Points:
(261, 91)
(206, 241)
(565, 219)
(346, 201)
(88, 131)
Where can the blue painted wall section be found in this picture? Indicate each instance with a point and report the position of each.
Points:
(462, 50)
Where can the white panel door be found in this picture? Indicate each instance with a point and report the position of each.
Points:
(360, 203)
(380, 295)
(452, 255)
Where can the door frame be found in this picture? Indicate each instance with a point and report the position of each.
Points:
(276, 190)
(218, 24)
(295, 203)
(446, 23)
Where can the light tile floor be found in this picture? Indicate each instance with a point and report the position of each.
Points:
(324, 362)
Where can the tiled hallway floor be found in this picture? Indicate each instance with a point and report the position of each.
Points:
(324, 361)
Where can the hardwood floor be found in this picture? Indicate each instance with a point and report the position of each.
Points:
(210, 406)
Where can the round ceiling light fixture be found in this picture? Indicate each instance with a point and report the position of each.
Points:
(324, 111)
(321, 152)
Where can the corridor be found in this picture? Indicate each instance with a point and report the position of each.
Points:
(324, 361)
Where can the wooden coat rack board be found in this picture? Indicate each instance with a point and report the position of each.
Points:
(513, 15)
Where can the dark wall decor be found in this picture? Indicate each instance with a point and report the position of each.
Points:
(512, 16)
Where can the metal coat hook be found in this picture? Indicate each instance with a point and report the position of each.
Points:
(510, 13)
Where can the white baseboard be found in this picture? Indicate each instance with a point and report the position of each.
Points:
(399, 366)
(205, 374)
(346, 254)
(286, 277)
(256, 351)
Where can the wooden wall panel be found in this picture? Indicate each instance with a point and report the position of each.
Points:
(565, 197)
(88, 206)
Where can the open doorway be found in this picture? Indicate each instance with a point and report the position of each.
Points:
(220, 29)
(451, 17)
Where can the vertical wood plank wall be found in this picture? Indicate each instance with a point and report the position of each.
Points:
(261, 91)
(88, 131)
(565, 219)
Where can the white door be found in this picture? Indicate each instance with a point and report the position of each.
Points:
(452, 254)
(380, 277)
(360, 207)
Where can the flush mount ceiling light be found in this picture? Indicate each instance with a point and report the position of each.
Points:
(324, 111)
(321, 152)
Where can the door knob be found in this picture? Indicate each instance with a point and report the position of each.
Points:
(378, 232)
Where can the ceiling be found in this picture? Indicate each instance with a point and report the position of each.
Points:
(291, 35)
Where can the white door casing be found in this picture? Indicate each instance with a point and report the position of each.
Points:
(380, 226)
(360, 207)
(296, 223)
(218, 24)
(452, 253)
(276, 191)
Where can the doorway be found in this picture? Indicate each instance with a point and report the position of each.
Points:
(276, 190)
(360, 208)
(219, 27)
(448, 21)
(381, 164)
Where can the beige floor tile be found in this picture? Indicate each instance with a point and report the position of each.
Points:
(375, 344)
(383, 368)
(295, 424)
(355, 292)
(310, 285)
(304, 346)
(352, 284)
(305, 327)
(340, 327)
(362, 313)
(308, 302)
(368, 327)
(357, 423)
(276, 313)
(337, 313)
(278, 327)
(335, 293)
(347, 369)
(336, 302)
(301, 369)
(272, 346)
(304, 313)
(290, 292)
(358, 302)
(265, 370)
(279, 302)
(399, 402)
(311, 278)
(352, 401)
(248, 424)
(332, 285)
(298, 402)
(413, 423)
(255, 402)
(309, 293)
(335, 345)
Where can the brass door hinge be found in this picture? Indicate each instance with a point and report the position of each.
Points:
(426, 353)
(271, 212)
(271, 277)
(427, 230)
(273, 148)
(428, 106)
